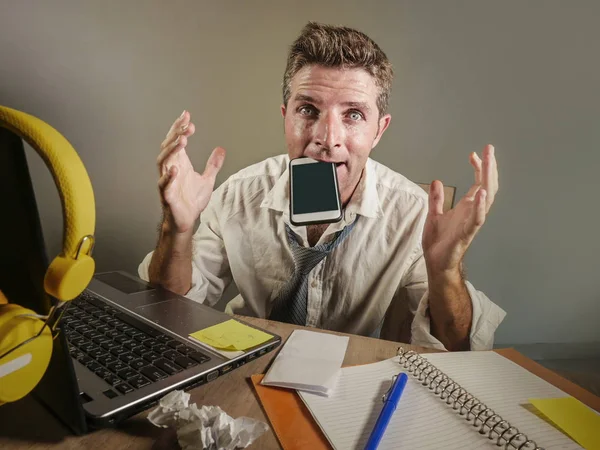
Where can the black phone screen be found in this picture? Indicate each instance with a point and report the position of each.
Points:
(313, 188)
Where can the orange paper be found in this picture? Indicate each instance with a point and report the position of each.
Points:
(290, 419)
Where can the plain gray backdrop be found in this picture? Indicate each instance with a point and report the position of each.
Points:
(113, 75)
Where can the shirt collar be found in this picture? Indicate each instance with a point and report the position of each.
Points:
(364, 201)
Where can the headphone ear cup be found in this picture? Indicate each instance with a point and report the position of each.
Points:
(22, 369)
(66, 278)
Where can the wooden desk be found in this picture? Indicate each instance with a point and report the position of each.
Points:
(26, 424)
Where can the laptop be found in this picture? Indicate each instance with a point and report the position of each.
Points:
(122, 344)
(129, 346)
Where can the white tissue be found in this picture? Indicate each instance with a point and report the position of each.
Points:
(208, 427)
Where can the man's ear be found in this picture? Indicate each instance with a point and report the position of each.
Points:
(384, 123)
(283, 111)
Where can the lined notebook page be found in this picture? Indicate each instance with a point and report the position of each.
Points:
(505, 387)
(422, 420)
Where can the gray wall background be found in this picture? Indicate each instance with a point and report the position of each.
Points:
(112, 76)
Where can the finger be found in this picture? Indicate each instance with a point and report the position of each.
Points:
(167, 178)
(175, 146)
(180, 125)
(214, 163)
(178, 139)
(168, 153)
(477, 218)
(476, 163)
(472, 192)
(494, 172)
(191, 129)
(165, 185)
(186, 131)
(490, 175)
(436, 198)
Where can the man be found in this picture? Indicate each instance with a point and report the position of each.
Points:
(397, 250)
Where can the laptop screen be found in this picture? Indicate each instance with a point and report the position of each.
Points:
(23, 263)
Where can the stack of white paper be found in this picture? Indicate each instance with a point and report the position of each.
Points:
(308, 361)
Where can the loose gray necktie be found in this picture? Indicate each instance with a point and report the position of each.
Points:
(290, 304)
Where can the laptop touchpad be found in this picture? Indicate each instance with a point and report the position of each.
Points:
(181, 316)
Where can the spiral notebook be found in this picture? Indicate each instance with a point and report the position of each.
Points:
(463, 400)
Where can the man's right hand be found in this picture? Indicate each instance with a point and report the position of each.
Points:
(184, 193)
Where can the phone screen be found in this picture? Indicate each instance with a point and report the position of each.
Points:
(313, 188)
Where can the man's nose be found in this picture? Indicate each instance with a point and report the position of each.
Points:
(329, 132)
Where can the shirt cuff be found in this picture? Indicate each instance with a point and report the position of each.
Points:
(143, 268)
(487, 316)
(199, 290)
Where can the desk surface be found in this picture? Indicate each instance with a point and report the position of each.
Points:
(26, 424)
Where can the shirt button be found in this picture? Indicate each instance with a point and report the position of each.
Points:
(314, 285)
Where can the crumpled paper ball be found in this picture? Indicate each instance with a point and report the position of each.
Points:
(208, 427)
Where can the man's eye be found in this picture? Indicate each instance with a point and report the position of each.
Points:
(306, 110)
(355, 115)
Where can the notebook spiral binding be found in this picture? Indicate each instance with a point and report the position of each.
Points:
(483, 418)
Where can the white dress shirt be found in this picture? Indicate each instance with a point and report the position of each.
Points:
(242, 237)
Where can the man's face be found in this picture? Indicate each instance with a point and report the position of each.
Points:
(332, 116)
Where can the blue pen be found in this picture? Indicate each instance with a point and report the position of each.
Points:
(390, 400)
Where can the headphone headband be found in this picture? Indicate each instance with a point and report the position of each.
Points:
(71, 271)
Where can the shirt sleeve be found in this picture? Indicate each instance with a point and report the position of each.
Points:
(487, 316)
(211, 273)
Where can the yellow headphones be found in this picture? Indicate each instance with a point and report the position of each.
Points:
(26, 337)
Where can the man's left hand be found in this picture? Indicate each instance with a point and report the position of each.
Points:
(447, 235)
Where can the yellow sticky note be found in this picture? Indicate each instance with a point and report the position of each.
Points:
(231, 335)
(573, 417)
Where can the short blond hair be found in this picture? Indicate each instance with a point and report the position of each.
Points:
(336, 46)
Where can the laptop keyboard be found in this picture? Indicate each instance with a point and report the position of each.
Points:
(127, 353)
